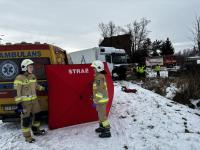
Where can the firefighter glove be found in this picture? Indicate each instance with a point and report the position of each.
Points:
(19, 108)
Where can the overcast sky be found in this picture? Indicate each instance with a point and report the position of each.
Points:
(73, 24)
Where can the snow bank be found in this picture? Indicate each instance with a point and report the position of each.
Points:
(140, 121)
(171, 91)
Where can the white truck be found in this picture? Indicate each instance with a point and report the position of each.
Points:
(115, 58)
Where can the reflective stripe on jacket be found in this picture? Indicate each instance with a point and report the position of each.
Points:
(100, 92)
(140, 69)
(157, 68)
(26, 85)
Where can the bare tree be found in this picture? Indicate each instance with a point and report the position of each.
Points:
(103, 29)
(139, 33)
(110, 29)
(137, 30)
(196, 33)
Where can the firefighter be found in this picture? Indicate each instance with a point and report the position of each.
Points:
(157, 70)
(137, 71)
(100, 98)
(140, 71)
(26, 84)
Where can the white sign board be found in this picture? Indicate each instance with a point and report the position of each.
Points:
(151, 61)
(198, 61)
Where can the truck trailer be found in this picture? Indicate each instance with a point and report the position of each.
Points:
(116, 59)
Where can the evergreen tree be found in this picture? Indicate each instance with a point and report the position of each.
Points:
(146, 45)
(156, 45)
(167, 48)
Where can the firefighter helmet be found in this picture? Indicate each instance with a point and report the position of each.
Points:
(98, 65)
(25, 64)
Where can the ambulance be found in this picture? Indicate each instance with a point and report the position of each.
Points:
(11, 56)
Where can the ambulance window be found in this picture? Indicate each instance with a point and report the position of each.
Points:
(61, 56)
(39, 67)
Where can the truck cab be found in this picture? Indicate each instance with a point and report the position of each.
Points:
(11, 56)
(117, 61)
(114, 57)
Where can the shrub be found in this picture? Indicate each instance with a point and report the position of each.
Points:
(189, 85)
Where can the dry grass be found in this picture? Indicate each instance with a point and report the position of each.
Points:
(157, 85)
(189, 83)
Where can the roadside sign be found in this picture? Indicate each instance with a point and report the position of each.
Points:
(152, 61)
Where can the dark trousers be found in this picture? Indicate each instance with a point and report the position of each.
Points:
(158, 74)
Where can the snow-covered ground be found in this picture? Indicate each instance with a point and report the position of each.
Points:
(140, 121)
(171, 91)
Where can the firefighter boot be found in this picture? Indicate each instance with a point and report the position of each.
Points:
(27, 135)
(100, 128)
(30, 139)
(37, 131)
(105, 134)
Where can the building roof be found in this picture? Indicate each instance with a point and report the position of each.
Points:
(119, 42)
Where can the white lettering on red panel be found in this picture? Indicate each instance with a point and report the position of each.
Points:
(78, 71)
